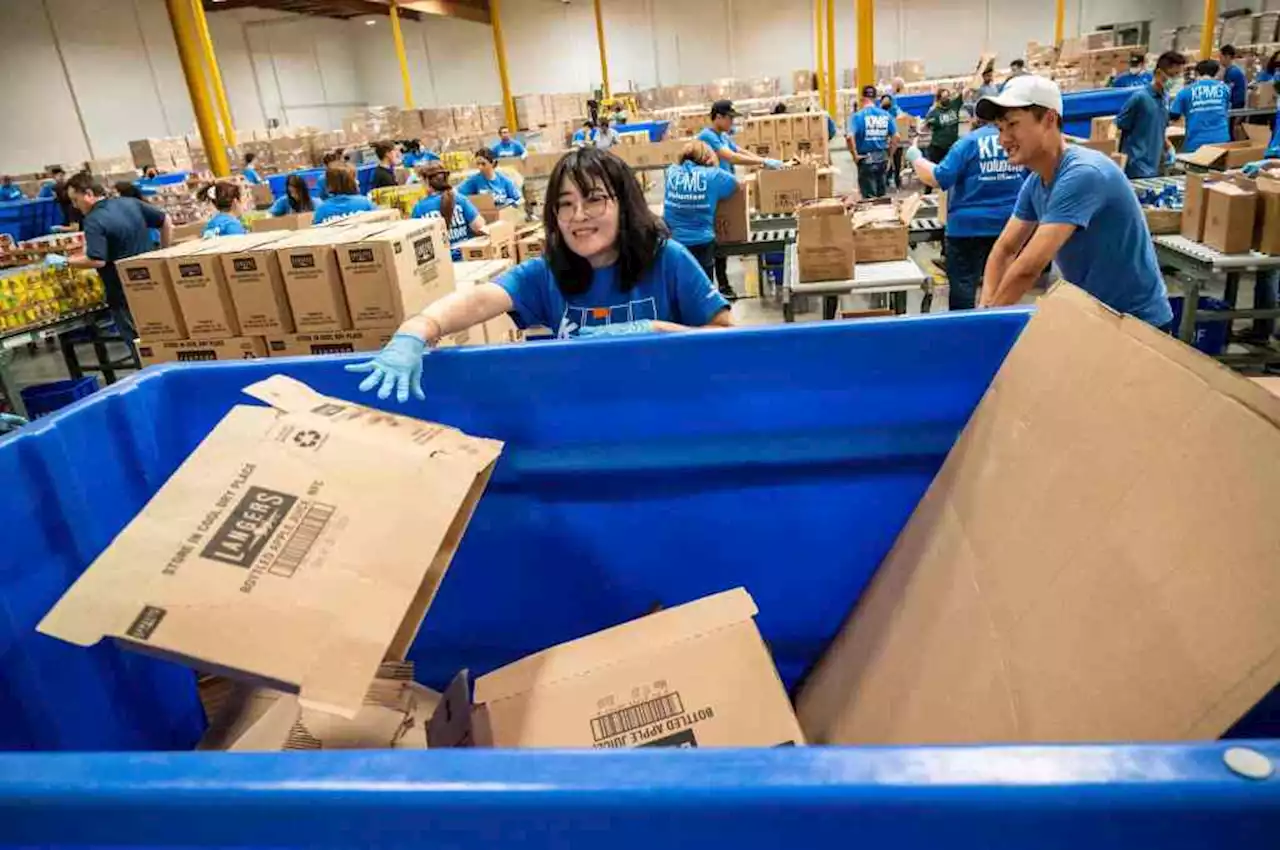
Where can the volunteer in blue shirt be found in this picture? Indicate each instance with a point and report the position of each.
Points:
(250, 173)
(1233, 76)
(227, 199)
(344, 195)
(296, 197)
(508, 146)
(694, 187)
(1136, 77)
(1076, 208)
(982, 186)
(873, 136)
(462, 219)
(1144, 120)
(584, 135)
(609, 269)
(416, 153)
(1203, 107)
(53, 187)
(10, 192)
(1271, 72)
(488, 180)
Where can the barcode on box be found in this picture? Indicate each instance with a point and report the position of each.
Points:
(304, 537)
(626, 719)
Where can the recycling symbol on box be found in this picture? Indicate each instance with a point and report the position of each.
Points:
(306, 439)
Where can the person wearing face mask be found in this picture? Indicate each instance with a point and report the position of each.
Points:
(488, 180)
(1075, 208)
(609, 269)
(462, 219)
(1144, 120)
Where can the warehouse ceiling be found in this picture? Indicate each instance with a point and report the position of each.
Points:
(470, 10)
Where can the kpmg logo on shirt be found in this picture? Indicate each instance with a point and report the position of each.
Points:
(245, 264)
(360, 255)
(994, 163)
(877, 126)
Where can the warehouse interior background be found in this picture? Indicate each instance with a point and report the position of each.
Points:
(96, 73)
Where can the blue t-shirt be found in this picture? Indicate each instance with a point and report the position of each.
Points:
(283, 206)
(340, 206)
(1273, 149)
(1110, 255)
(322, 188)
(1234, 77)
(251, 174)
(115, 229)
(1142, 123)
(503, 188)
(716, 141)
(982, 182)
(580, 137)
(1203, 105)
(48, 190)
(674, 289)
(11, 193)
(689, 205)
(464, 212)
(871, 128)
(412, 159)
(1130, 80)
(223, 224)
(508, 148)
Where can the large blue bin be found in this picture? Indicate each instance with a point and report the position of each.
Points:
(637, 471)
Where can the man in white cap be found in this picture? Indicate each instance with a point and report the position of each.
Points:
(1076, 207)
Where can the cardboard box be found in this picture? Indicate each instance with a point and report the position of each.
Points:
(319, 343)
(313, 280)
(496, 331)
(650, 154)
(826, 182)
(1193, 206)
(201, 285)
(1262, 96)
(148, 289)
(1227, 154)
(264, 558)
(825, 243)
(392, 273)
(290, 221)
(783, 190)
(200, 350)
(1102, 127)
(378, 216)
(252, 270)
(485, 205)
(188, 232)
(697, 675)
(1230, 212)
(880, 229)
(1268, 230)
(500, 244)
(1019, 605)
(530, 247)
(733, 218)
(540, 164)
(1161, 221)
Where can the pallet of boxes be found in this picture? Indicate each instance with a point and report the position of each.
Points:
(323, 290)
(1232, 213)
(800, 137)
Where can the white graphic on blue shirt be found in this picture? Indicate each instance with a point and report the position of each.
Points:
(994, 164)
(575, 317)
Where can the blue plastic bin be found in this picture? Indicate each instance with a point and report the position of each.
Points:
(29, 219)
(43, 399)
(637, 471)
(1211, 337)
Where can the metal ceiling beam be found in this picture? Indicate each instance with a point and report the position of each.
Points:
(340, 9)
(477, 12)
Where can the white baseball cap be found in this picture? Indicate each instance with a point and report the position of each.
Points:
(1019, 93)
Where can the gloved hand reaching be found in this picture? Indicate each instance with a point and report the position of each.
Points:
(10, 422)
(398, 366)
(773, 164)
(55, 261)
(913, 153)
(641, 326)
(1251, 169)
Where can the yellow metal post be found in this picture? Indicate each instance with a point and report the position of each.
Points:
(832, 105)
(500, 51)
(215, 73)
(604, 58)
(866, 15)
(186, 36)
(1210, 24)
(1059, 23)
(398, 38)
(819, 58)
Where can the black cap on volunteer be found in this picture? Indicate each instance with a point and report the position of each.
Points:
(723, 107)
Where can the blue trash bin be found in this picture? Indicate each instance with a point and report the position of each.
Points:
(628, 479)
(1211, 337)
(43, 399)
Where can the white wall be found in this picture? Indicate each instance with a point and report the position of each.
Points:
(123, 67)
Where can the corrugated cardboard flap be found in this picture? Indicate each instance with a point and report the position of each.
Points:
(619, 643)
(1205, 156)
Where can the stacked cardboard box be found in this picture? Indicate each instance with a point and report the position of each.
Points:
(1238, 30)
(1232, 213)
(801, 136)
(881, 228)
(170, 154)
(825, 245)
(1098, 66)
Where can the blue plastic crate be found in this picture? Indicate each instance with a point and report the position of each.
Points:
(1211, 337)
(43, 399)
(637, 471)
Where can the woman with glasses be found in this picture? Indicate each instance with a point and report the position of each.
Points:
(462, 219)
(609, 268)
(488, 180)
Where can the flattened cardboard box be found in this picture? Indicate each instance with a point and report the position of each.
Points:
(697, 675)
(1055, 582)
(201, 350)
(264, 558)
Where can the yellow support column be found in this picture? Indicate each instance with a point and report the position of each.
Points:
(604, 58)
(832, 104)
(398, 38)
(500, 51)
(187, 37)
(866, 15)
(819, 58)
(1210, 24)
(215, 73)
(1059, 23)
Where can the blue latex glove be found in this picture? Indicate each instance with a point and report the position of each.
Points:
(1251, 169)
(10, 422)
(55, 261)
(398, 366)
(642, 326)
(773, 164)
(913, 153)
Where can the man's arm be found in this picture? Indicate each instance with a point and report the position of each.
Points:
(924, 170)
(739, 157)
(166, 232)
(1022, 273)
(1127, 116)
(1015, 235)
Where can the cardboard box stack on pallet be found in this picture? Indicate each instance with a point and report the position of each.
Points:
(787, 136)
(320, 290)
(1233, 213)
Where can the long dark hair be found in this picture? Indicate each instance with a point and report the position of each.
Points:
(223, 194)
(1273, 63)
(436, 176)
(641, 234)
(303, 202)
